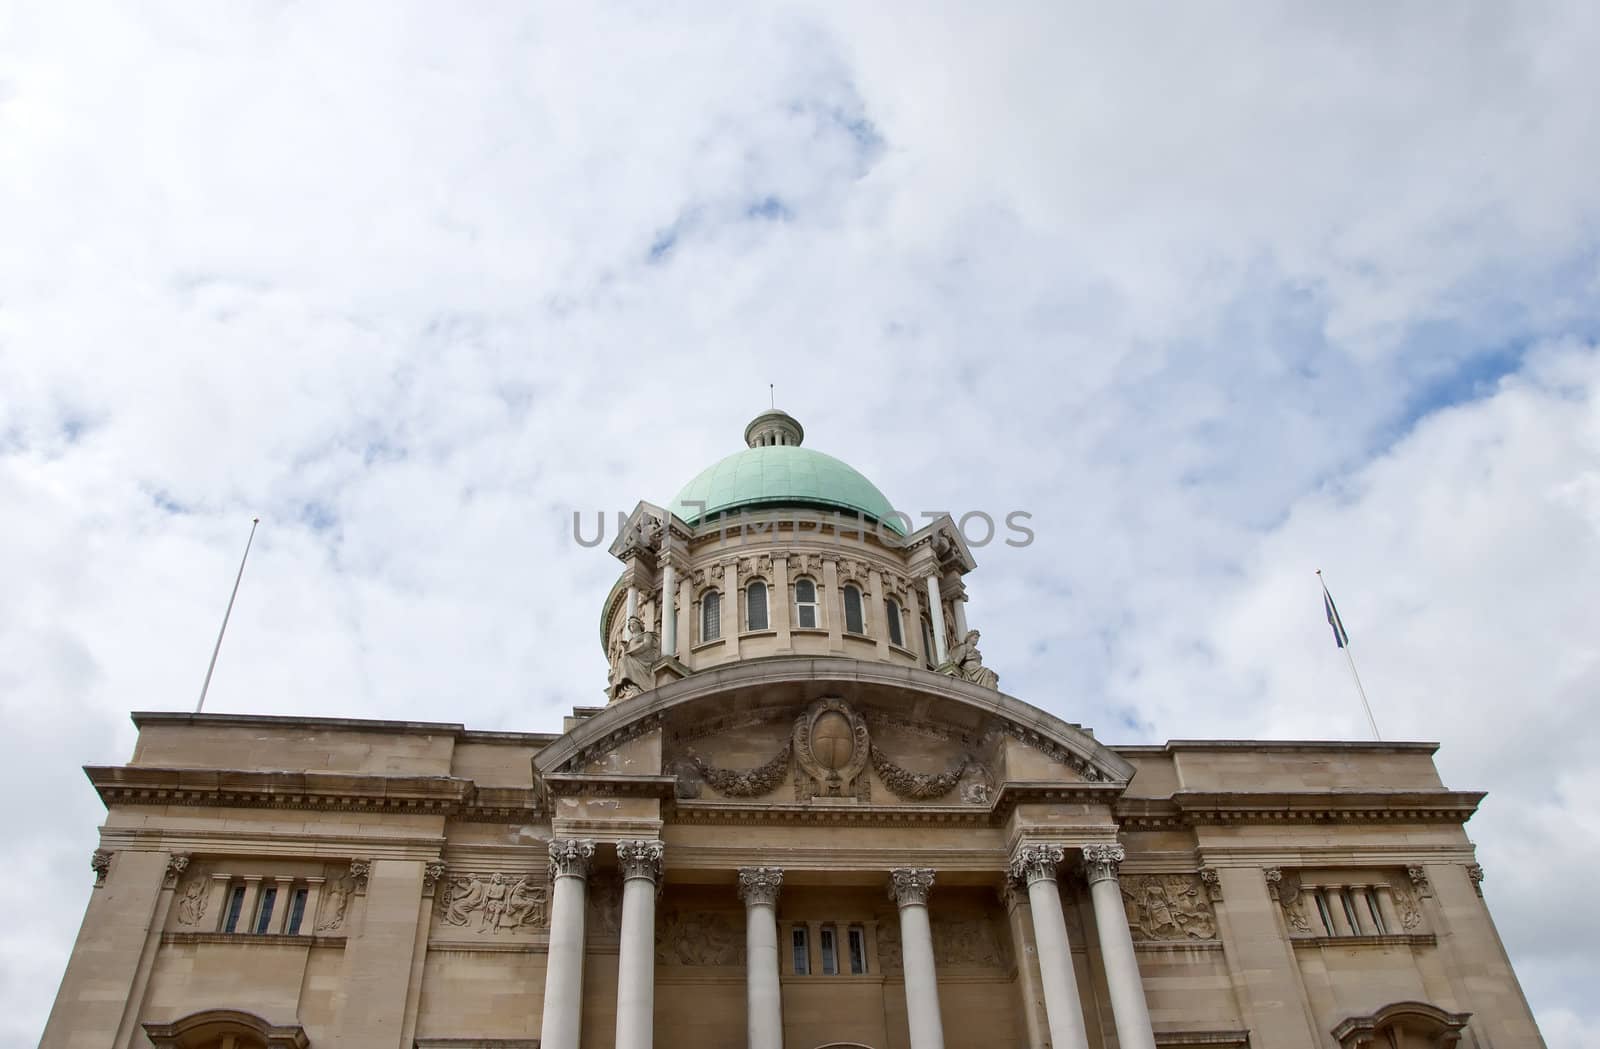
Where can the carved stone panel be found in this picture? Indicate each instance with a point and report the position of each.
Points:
(967, 942)
(492, 903)
(194, 897)
(1168, 907)
(700, 938)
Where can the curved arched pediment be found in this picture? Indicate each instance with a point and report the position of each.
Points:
(782, 687)
(235, 1027)
(1402, 1025)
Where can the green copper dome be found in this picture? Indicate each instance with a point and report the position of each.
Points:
(776, 475)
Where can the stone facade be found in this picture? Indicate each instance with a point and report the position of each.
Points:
(784, 835)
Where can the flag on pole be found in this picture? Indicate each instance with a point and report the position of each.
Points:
(1340, 636)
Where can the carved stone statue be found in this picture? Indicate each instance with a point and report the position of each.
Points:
(635, 666)
(966, 662)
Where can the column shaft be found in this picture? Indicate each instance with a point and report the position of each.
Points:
(669, 610)
(1036, 864)
(563, 978)
(936, 616)
(636, 963)
(911, 886)
(763, 995)
(1116, 947)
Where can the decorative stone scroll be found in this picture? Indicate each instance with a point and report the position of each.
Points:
(910, 886)
(432, 871)
(360, 870)
(1212, 882)
(1165, 907)
(700, 938)
(916, 786)
(744, 783)
(1419, 881)
(1475, 872)
(1033, 863)
(177, 863)
(493, 902)
(1101, 862)
(100, 863)
(760, 885)
(570, 857)
(1284, 887)
(640, 859)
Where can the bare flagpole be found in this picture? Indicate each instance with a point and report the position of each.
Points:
(1342, 639)
(228, 612)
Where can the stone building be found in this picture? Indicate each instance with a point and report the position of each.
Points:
(806, 816)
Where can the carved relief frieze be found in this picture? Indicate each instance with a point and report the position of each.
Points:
(605, 908)
(1051, 750)
(1409, 908)
(740, 783)
(968, 942)
(889, 956)
(1168, 907)
(700, 938)
(493, 902)
(831, 748)
(602, 747)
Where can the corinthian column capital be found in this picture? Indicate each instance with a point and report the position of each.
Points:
(758, 885)
(640, 859)
(570, 857)
(911, 885)
(1031, 863)
(1100, 862)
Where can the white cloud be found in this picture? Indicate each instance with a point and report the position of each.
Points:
(1200, 288)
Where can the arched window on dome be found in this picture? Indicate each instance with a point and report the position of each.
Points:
(755, 605)
(805, 604)
(891, 615)
(854, 618)
(710, 615)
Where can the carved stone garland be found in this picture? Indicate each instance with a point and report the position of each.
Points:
(916, 786)
(744, 783)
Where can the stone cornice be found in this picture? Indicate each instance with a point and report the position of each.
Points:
(253, 939)
(319, 791)
(1335, 806)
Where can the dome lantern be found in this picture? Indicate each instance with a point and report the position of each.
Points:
(774, 428)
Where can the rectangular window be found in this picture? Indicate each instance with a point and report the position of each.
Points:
(830, 954)
(264, 912)
(1322, 910)
(1372, 908)
(756, 606)
(802, 953)
(297, 912)
(858, 950)
(235, 905)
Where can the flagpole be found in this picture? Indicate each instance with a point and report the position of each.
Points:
(226, 613)
(1342, 637)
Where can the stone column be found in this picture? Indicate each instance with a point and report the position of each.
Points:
(936, 615)
(563, 978)
(282, 904)
(1036, 865)
(910, 887)
(252, 898)
(686, 623)
(1391, 917)
(1336, 912)
(669, 610)
(1100, 863)
(218, 900)
(758, 887)
(959, 607)
(732, 614)
(875, 610)
(631, 610)
(780, 603)
(640, 862)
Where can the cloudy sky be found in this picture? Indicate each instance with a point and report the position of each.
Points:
(1220, 294)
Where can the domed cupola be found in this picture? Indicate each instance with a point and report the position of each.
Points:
(779, 550)
(776, 472)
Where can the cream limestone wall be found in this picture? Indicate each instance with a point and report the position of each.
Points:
(392, 971)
